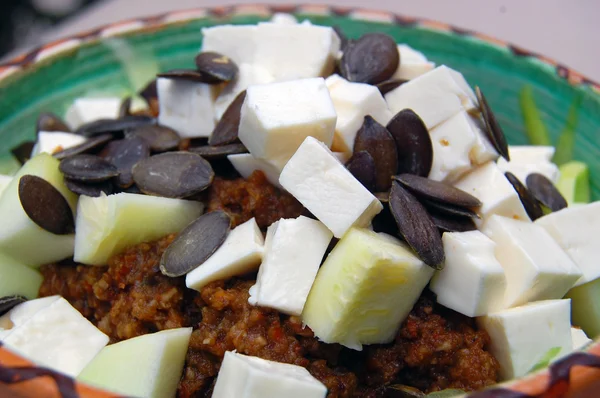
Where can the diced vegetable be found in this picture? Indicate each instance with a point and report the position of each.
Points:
(574, 182)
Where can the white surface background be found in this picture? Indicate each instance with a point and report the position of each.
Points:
(565, 30)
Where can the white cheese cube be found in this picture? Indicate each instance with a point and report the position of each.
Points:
(283, 18)
(248, 75)
(25, 311)
(4, 181)
(276, 118)
(536, 267)
(353, 101)
(413, 63)
(327, 189)
(521, 171)
(526, 154)
(488, 184)
(58, 337)
(521, 337)
(579, 338)
(246, 164)
(435, 96)
(252, 377)
(296, 51)
(240, 253)
(472, 281)
(483, 151)
(52, 142)
(85, 110)
(186, 107)
(577, 231)
(293, 252)
(238, 42)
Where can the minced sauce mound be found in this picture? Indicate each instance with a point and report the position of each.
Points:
(434, 349)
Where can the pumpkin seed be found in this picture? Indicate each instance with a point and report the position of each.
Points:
(85, 147)
(87, 168)
(50, 122)
(150, 94)
(124, 154)
(22, 152)
(215, 67)
(159, 138)
(45, 205)
(413, 143)
(437, 191)
(530, 203)
(344, 40)
(173, 174)
(449, 209)
(217, 152)
(375, 139)
(195, 244)
(493, 130)
(416, 226)
(125, 108)
(448, 223)
(545, 192)
(7, 303)
(226, 131)
(114, 126)
(372, 59)
(362, 166)
(191, 75)
(389, 85)
(93, 190)
(402, 391)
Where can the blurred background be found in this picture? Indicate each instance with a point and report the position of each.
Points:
(567, 31)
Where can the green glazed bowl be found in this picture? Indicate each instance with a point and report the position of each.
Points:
(528, 93)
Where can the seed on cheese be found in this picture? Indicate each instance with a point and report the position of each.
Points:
(293, 252)
(535, 265)
(238, 42)
(327, 189)
(577, 231)
(85, 110)
(364, 290)
(353, 101)
(59, 337)
(277, 117)
(246, 164)
(579, 338)
(18, 279)
(147, 366)
(187, 107)
(472, 281)
(488, 184)
(4, 181)
(240, 253)
(51, 142)
(522, 336)
(412, 63)
(435, 96)
(252, 377)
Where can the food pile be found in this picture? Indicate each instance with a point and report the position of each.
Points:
(301, 214)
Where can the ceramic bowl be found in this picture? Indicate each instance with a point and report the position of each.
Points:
(121, 58)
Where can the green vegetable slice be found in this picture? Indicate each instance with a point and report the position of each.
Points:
(574, 182)
(565, 145)
(534, 126)
(546, 359)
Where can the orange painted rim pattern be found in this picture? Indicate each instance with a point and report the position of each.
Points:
(575, 376)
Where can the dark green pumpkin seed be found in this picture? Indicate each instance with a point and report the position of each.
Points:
(50, 122)
(389, 85)
(413, 143)
(125, 108)
(124, 154)
(437, 191)
(218, 152)
(149, 92)
(90, 145)
(416, 226)
(22, 152)
(45, 205)
(88, 168)
(195, 244)
(362, 166)
(530, 203)
(114, 126)
(545, 192)
(215, 67)
(379, 143)
(493, 131)
(159, 138)
(7, 303)
(191, 75)
(344, 40)
(93, 190)
(448, 209)
(226, 131)
(372, 59)
(448, 223)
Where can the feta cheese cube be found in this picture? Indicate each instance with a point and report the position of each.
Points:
(52, 142)
(522, 336)
(413, 63)
(238, 42)
(246, 164)
(353, 101)
(472, 281)
(536, 267)
(186, 107)
(85, 110)
(293, 252)
(240, 253)
(276, 118)
(435, 96)
(59, 337)
(488, 184)
(526, 154)
(577, 231)
(248, 75)
(25, 311)
(252, 377)
(283, 18)
(521, 171)
(579, 339)
(327, 189)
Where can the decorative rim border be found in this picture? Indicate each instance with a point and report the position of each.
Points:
(555, 381)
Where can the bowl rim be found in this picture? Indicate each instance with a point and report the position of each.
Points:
(554, 381)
